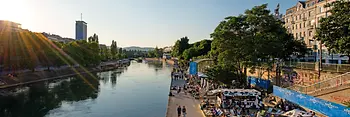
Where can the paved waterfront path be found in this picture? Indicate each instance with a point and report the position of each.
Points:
(191, 104)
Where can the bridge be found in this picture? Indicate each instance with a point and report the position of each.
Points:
(203, 64)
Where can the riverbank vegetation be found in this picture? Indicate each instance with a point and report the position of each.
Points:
(156, 53)
(250, 40)
(22, 49)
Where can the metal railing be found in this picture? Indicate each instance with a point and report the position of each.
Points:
(334, 82)
(336, 67)
(325, 66)
(301, 65)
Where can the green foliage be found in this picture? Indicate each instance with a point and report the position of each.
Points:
(23, 49)
(156, 53)
(248, 40)
(189, 53)
(114, 49)
(180, 46)
(225, 74)
(83, 52)
(196, 49)
(334, 29)
(135, 53)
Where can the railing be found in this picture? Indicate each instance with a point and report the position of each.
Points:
(336, 67)
(301, 65)
(325, 66)
(337, 81)
(205, 64)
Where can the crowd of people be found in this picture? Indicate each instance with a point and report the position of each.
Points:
(227, 106)
(233, 105)
(178, 73)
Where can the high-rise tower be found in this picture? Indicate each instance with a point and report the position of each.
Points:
(80, 29)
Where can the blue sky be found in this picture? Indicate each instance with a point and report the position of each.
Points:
(147, 23)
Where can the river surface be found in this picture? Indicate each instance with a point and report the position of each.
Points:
(139, 90)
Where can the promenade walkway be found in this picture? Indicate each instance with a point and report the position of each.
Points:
(191, 104)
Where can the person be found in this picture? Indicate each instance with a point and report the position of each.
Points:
(179, 111)
(179, 90)
(184, 111)
(239, 112)
(232, 111)
(287, 107)
(172, 74)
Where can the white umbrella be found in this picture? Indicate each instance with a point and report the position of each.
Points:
(295, 113)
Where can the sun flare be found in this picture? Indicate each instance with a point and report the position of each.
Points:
(13, 10)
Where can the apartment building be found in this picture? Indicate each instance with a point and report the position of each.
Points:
(57, 38)
(302, 20)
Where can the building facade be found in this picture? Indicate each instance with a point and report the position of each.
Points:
(57, 38)
(302, 20)
(80, 30)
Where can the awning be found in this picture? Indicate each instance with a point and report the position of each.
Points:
(296, 112)
(202, 75)
(236, 92)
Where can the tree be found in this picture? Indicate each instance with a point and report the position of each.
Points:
(114, 49)
(93, 38)
(83, 52)
(157, 53)
(224, 75)
(251, 39)
(189, 53)
(180, 46)
(333, 31)
(196, 49)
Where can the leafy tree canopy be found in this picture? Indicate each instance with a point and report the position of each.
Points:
(334, 29)
(180, 46)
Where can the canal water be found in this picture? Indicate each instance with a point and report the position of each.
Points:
(139, 90)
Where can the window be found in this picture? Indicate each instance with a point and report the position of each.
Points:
(304, 24)
(300, 25)
(304, 34)
(309, 13)
(309, 23)
(300, 35)
(300, 16)
(296, 35)
(296, 26)
(321, 9)
(310, 33)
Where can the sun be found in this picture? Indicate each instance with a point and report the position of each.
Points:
(13, 10)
